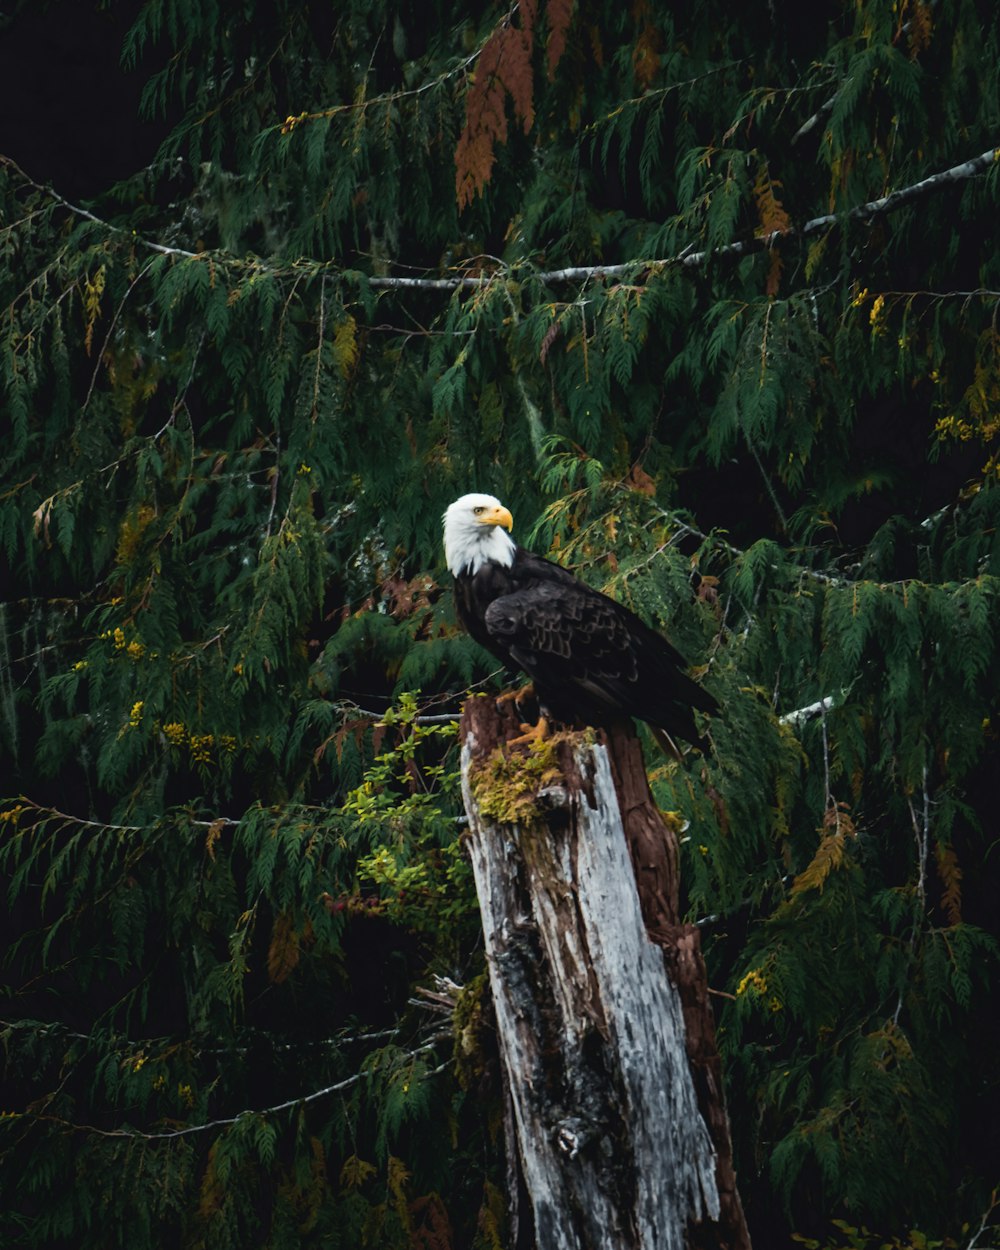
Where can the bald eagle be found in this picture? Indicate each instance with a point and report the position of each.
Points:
(590, 659)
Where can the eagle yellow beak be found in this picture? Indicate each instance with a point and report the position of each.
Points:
(498, 516)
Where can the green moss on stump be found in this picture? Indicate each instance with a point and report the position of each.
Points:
(506, 787)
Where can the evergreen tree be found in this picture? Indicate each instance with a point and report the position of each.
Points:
(707, 294)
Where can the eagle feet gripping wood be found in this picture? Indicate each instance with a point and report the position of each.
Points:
(589, 659)
(534, 726)
(527, 691)
(531, 733)
(523, 696)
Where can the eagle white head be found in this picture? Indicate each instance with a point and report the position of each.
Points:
(474, 534)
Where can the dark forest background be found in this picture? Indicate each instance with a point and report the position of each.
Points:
(707, 294)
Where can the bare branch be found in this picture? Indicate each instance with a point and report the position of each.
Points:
(812, 122)
(985, 1225)
(802, 714)
(433, 284)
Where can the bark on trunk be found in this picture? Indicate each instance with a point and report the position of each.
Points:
(607, 1047)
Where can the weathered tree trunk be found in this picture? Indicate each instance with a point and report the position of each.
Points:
(607, 1047)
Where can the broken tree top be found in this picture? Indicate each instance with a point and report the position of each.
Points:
(607, 1062)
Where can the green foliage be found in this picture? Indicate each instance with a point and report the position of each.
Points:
(240, 386)
(267, 907)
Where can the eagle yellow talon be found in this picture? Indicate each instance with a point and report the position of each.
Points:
(531, 734)
(522, 692)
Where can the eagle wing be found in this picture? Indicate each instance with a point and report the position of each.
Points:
(561, 626)
(586, 652)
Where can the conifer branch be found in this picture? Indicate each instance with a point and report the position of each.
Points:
(444, 719)
(979, 292)
(660, 93)
(683, 529)
(391, 97)
(53, 813)
(226, 1121)
(55, 1028)
(685, 259)
(107, 338)
(87, 215)
(816, 225)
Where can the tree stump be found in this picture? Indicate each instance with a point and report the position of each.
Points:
(617, 1131)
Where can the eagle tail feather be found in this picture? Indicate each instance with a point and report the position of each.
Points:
(667, 745)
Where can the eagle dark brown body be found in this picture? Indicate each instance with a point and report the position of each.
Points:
(590, 659)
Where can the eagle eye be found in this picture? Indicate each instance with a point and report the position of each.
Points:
(478, 511)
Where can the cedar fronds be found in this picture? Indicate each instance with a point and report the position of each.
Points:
(504, 69)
